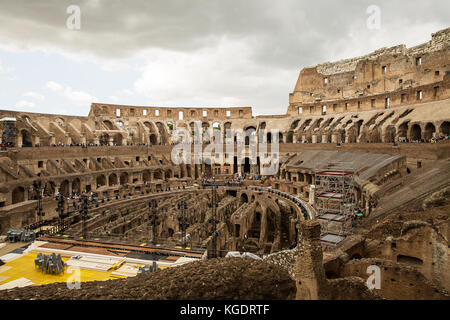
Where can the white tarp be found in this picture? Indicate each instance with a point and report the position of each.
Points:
(236, 254)
(18, 283)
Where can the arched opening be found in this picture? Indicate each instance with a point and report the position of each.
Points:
(429, 130)
(244, 198)
(153, 139)
(108, 124)
(64, 188)
(255, 229)
(112, 180)
(416, 133)
(26, 139)
(100, 181)
(445, 128)
(50, 188)
(162, 132)
(104, 139)
(389, 134)
(76, 186)
(124, 178)
(146, 176)
(117, 139)
(294, 124)
(269, 137)
(290, 137)
(271, 226)
(158, 175)
(250, 135)
(18, 195)
(356, 256)
(351, 135)
(402, 130)
(280, 137)
(168, 174)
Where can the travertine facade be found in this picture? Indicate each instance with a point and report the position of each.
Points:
(349, 111)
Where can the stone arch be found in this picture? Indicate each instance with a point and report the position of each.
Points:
(389, 134)
(416, 132)
(250, 133)
(445, 128)
(26, 138)
(64, 188)
(403, 130)
(50, 188)
(104, 139)
(76, 186)
(153, 139)
(112, 180)
(108, 124)
(429, 130)
(168, 174)
(290, 137)
(100, 181)
(146, 176)
(117, 140)
(124, 178)
(151, 126)
(294, 124)
(351, 135)
(243, 198)
(18, 195)
(163, 132)
(158, 175)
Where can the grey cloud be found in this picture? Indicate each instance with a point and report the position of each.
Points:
(285, 35)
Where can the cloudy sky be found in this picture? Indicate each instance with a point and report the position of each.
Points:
(189, 53)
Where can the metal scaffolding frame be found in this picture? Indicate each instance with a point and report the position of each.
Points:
(335, 201)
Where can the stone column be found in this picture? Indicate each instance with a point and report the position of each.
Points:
(37, 140)
(312, 189)
(334, 138)
(19, 140)
(310, 276)
(314, 138)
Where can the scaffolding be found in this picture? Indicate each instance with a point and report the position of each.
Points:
(335, 201)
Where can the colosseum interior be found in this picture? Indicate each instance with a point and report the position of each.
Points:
(363, 180)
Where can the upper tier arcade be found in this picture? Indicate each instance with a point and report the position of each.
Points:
(385, 78)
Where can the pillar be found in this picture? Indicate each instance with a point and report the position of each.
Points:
(312, 190)
(310, 276)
